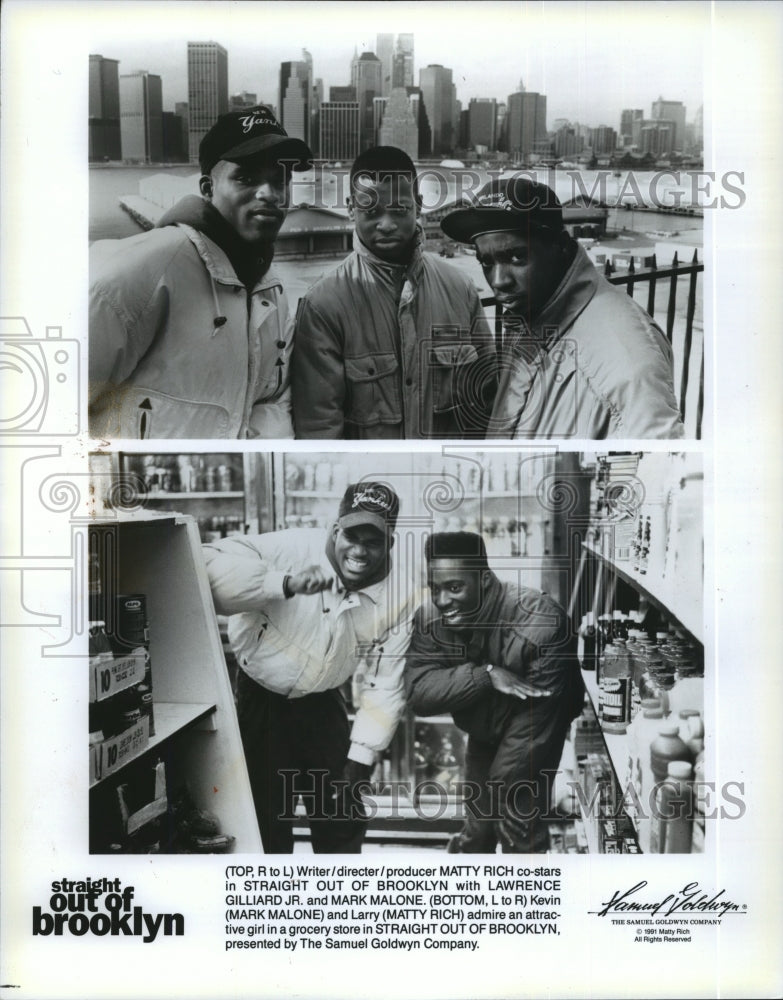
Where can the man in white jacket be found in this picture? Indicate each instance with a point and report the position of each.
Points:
(308, 612)
(190, 334)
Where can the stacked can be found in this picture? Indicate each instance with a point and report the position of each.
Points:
(130, 634)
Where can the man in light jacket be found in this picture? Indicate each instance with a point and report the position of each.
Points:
(190, 334)
(393, 342)
(308, 612)
(581, 359)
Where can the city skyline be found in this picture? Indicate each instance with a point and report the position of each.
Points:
(587, 76)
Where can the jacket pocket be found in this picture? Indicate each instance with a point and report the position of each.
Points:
(144, 413)
(450, 381)
(373, 390)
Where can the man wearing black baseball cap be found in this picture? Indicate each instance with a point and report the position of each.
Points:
(190, 334)
(581, 358)
(309, 611)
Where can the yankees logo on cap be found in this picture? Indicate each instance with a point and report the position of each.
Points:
(369, 503)
(251, 132)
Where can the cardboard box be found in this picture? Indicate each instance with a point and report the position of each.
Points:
(108, 677)
(119, 750)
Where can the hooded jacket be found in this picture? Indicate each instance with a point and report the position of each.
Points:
(180, 347)
(298, 645)
(594, 366)
(389, 350)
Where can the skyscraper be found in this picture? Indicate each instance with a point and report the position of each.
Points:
(339, 130)
(482, 117)
(141, 117)
(405, 54)
(366, 79)
(296, 96)
(525, 123)
(384, 49)
(672, 111)
(207, 90)
(438, 93)
(631, 126)
(399, 126)
(104, 109)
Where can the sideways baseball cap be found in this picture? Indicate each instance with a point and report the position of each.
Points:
(506, 204)
(251, 132)
(369, 503)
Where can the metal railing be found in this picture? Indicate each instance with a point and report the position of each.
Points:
(652, 275)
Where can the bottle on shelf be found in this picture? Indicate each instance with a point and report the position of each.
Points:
(615, 688)
(672, 828)
(589, 641)
(665, 748)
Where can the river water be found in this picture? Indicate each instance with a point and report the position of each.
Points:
(439, 185)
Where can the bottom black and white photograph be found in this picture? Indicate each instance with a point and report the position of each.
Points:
(341, 653)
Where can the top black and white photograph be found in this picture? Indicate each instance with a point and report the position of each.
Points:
(492, 230)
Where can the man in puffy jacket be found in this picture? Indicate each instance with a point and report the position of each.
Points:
(308, 612)
(501, 659)
(393, 342)
(190, 334)
(581, 359)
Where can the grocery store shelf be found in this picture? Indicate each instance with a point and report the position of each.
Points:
(688, 618)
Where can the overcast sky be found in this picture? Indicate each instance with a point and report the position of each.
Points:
(590, 59)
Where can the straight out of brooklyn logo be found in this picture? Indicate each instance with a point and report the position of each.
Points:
(101, 907)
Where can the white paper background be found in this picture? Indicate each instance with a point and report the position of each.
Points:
(44, 821)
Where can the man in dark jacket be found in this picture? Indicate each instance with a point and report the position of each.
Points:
(190, 334)
(581, 359)
(501, 659)
(393, 342)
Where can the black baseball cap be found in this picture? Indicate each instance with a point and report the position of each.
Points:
(251, 132)
(369, 503)
(506, 204)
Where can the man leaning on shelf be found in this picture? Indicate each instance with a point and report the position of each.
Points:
(190, 334)
(500, 658)
(309, 610)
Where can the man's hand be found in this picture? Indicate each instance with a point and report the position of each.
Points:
(508, 683)
(310, 581)
(355, 780)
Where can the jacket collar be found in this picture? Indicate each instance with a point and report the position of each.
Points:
(219, 266)
(411, 269)
(571, 297)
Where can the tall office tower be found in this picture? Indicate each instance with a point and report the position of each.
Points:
(405, 50)
(339, 130)
(366, 79)
(420, 114)
(464, 131)
(378, 108)
(342, 93)
(657, 137)
(698, 130)
(207, 90)
(181, 109)
(630, 126)
(525, 123)
(567, 142)
(174, 137)
(500, 127)
(104, 109)
(384, 49)
(315, 113)
(482, 119)
(673, 111)
(296, 96)
(141, 117)
(438, 94)
(399, 126)
(604, 140)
